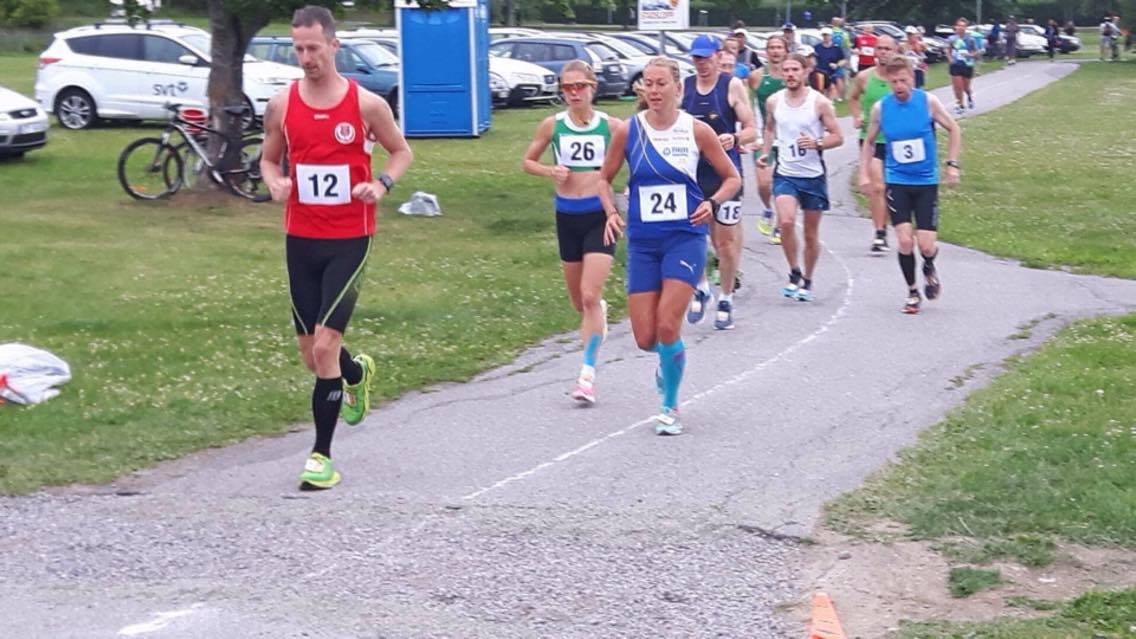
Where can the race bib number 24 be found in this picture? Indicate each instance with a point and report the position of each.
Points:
(663, 203)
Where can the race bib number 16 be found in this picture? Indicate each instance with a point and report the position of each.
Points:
(323, 184)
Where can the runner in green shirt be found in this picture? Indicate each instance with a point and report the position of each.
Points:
(766, 81)
(869, 86)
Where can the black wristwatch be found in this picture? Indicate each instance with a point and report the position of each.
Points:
(388, 181)
(714, 206)
(953, 163)
(735, 139)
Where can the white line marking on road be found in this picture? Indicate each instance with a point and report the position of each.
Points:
(163, 620)
(740, 377)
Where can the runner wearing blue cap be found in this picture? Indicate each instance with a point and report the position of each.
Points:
(721, 101)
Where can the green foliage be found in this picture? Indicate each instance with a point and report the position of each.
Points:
(964, 581)
(33, 14)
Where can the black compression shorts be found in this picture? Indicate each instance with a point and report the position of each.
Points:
(921, 202)
(324, 278)
(580, 233)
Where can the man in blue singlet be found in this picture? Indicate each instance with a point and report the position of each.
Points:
(907, 117)
(721, 101)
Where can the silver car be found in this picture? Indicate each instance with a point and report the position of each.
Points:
(23, 125)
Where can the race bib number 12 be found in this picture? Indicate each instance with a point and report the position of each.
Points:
(323, 184)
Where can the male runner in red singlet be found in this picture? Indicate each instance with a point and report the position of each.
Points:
(329, 125)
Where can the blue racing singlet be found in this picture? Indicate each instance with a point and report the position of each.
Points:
(909, 136)
(714, 109)
(663, 184)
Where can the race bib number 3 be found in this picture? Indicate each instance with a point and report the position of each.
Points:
(664, 203)
(730, 213)
(323, 184)
(582, 151)
(908, 151)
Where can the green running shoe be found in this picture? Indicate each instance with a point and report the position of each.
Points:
(357, 397)
(318, 473)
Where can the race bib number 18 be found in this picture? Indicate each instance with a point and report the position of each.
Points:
(730, 213)
(323, 184)
(908, 151)
(663, 203)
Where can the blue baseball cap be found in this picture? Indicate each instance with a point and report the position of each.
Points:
(788, 26)
(705, 46)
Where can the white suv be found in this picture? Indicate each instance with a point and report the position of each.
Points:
(116, 71)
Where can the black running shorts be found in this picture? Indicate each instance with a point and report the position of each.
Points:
(907, 201)
(962, 69)
(580, 233)
(880, 152)
(324, 278)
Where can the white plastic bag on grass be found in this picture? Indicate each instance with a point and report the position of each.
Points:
(421, 203)
(29, 374)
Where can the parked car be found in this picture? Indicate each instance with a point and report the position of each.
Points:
(512, 82)
(1066, 43)
(554, 53)
(501, 33)
(23, 125)
(374, 67)
(1028, 43)
(633, 59)
(118, 71)
(649, 44)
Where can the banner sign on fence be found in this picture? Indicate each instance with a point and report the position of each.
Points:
(661, 15)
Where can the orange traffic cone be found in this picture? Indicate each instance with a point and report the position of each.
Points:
(825, 624)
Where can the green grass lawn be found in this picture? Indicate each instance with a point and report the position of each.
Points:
(175, 318)
(1047, 452)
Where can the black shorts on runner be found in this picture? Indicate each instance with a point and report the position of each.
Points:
(921, 202)
(580, 233)
(880, 152)
(962, 69)
(324, 278)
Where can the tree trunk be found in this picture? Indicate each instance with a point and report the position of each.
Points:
(231, 37)
(510, 13)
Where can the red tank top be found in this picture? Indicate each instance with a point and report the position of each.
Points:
(328, 153)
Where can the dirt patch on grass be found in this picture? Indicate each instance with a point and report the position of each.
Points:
(875, 585)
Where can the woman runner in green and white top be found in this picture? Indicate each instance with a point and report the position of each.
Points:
(579, 137)
(766, 81)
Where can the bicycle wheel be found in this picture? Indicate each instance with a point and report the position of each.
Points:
(246, 181)
(143, 167)
(192, 166)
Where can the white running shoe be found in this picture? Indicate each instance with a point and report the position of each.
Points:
(585, 391)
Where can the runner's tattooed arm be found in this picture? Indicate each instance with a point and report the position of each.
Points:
(770, 132)
(739, 100)
(711, 149)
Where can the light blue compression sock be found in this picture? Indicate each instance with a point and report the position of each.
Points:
(592, 349)
(672, 361)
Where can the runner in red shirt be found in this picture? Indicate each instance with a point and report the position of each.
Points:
(329, 125)
(865, 48)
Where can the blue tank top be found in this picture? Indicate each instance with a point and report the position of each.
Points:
(909, 135)
(664, 191)
(713, 109)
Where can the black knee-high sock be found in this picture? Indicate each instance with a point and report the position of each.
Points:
(350, 369)
(326, 400)
(907, 265)
(929, 261)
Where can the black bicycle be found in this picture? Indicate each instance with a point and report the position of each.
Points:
(155, 168)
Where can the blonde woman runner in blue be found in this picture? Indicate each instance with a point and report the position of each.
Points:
(579, 137)
(667, 220)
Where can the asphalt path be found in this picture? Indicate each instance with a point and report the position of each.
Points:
(497, 508)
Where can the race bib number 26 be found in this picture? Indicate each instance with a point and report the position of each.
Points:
(663, 203)
(582, 151)
(323, 184)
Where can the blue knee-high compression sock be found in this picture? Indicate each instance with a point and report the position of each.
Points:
(672, 361)
(592, 349)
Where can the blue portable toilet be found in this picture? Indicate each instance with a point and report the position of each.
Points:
(444, 69)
